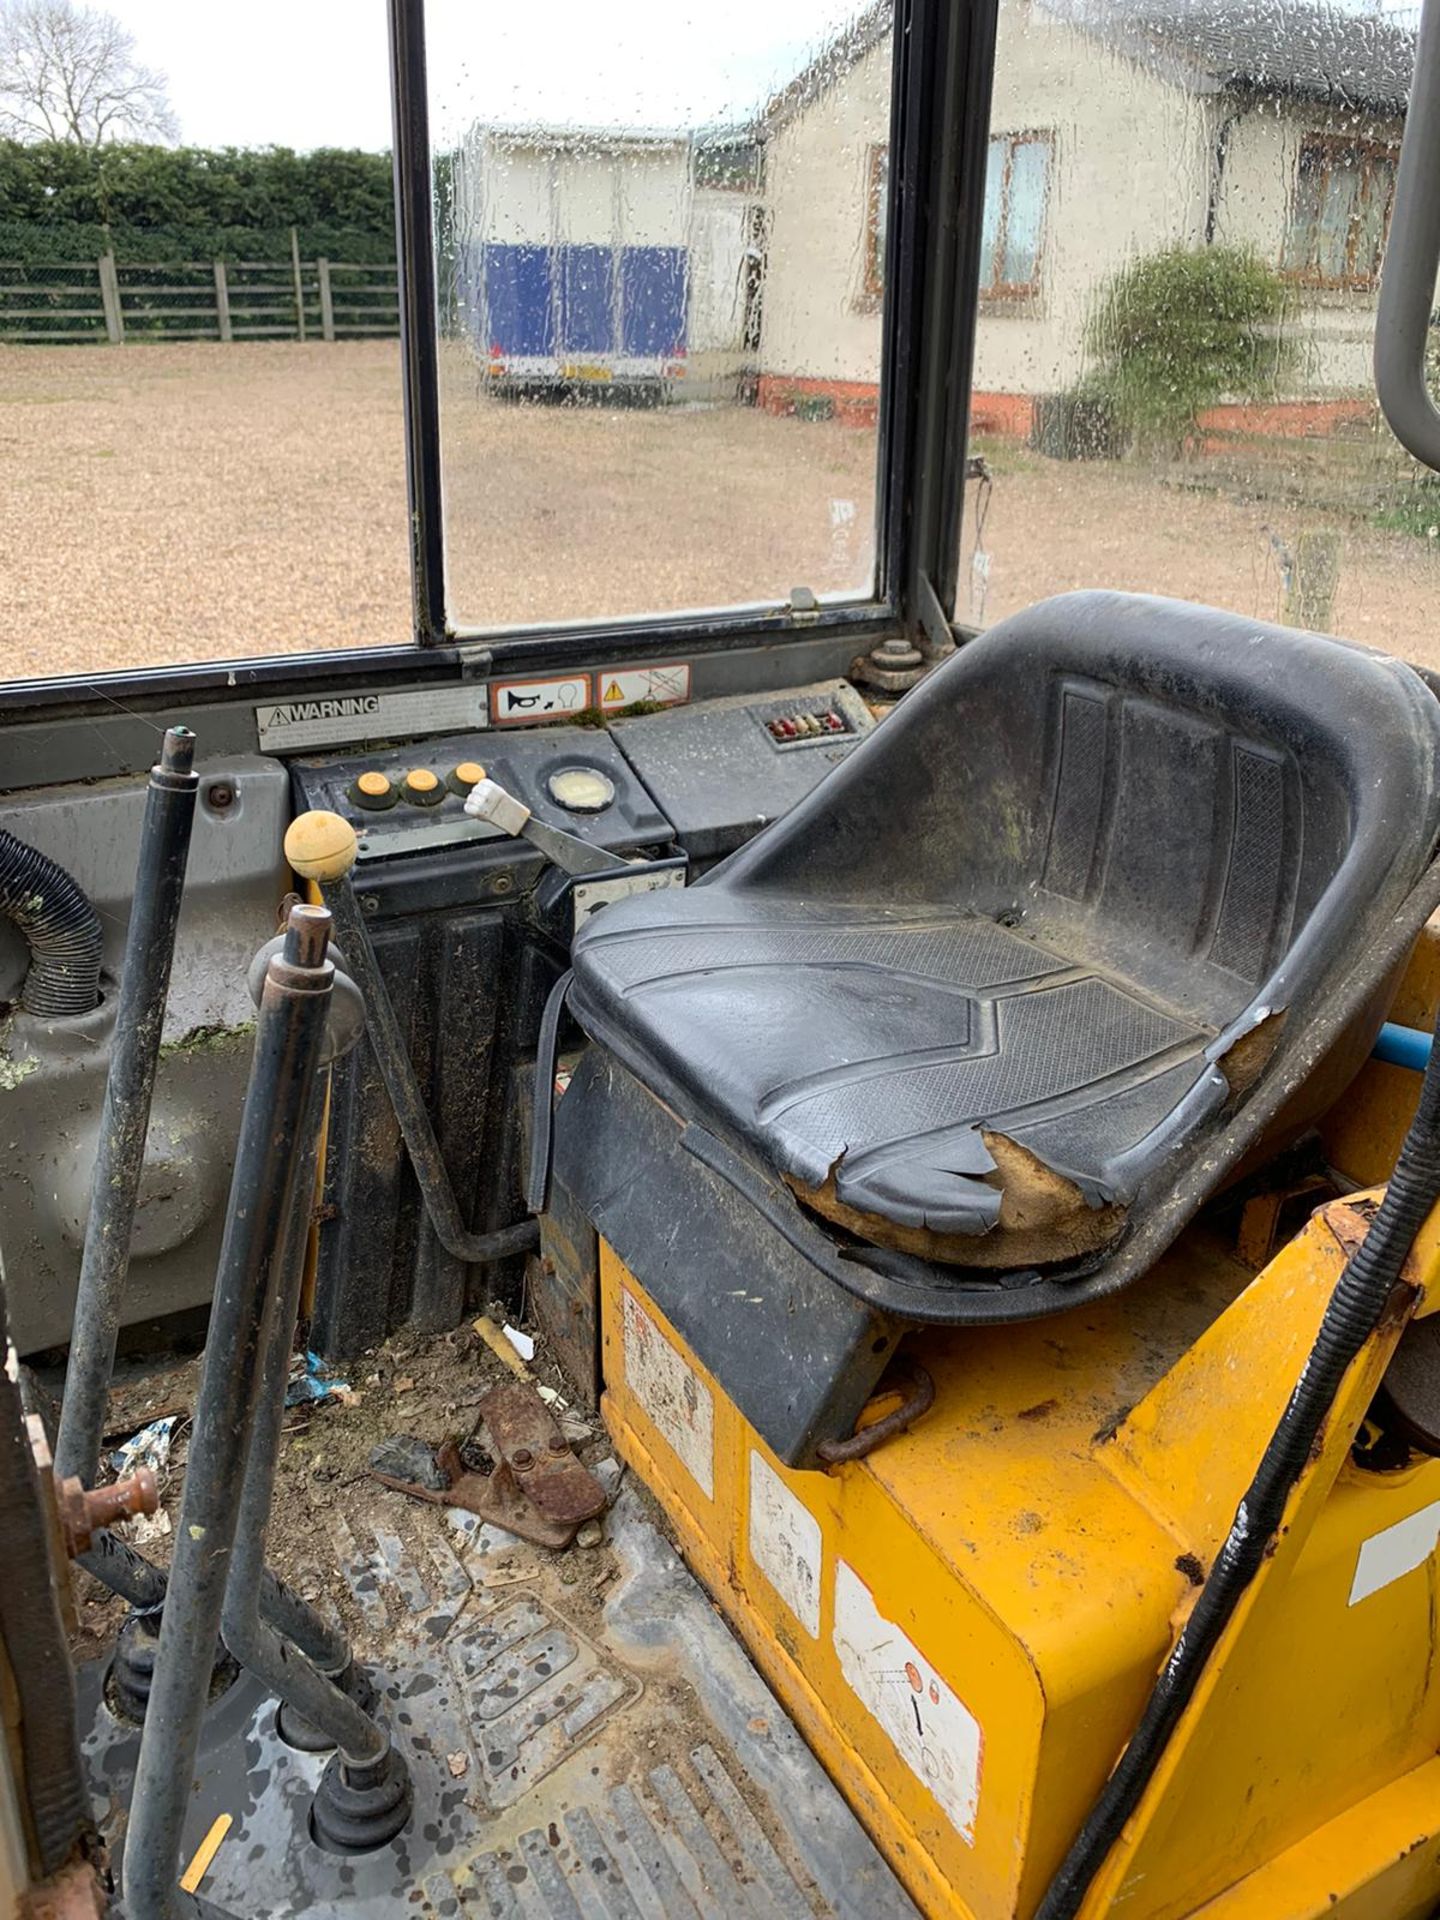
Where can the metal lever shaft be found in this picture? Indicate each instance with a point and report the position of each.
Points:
(288, 1039)
(489, 801)
(125, 1116)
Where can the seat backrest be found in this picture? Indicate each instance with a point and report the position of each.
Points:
(1204, 804)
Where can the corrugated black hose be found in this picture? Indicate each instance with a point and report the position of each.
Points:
(60, 926)
(1350, 1318)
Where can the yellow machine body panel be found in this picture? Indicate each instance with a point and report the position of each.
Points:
(967, 1623)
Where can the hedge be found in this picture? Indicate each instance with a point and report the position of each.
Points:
(59, 202)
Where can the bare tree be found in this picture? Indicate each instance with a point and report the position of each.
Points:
(69, 72)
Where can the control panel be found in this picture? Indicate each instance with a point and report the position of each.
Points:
(411, 800)
(706, 776)
(723, 769)
(802, 722)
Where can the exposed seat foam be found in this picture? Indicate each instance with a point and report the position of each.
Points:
(981, 994)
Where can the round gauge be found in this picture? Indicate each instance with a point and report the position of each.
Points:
(581, 789)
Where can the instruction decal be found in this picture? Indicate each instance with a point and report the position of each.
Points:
(930, 1727)
(675, 1399)
(513, 702)
(785, 1543)
(341, 719)
(655, 686)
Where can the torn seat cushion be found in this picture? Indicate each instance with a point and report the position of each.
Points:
(979, 995)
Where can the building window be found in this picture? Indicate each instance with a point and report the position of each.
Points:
(1340, 213)
(1017, 187)
(877, 218)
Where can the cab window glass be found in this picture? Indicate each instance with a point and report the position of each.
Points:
(200, 399)
(660, 254)
(1185, 214)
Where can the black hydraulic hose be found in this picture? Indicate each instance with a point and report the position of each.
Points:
(542, 1123)
(1350, 1318)
(125, 1115)
(60, 926)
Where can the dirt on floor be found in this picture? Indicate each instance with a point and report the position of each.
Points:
(421, 1385)
(195, 501)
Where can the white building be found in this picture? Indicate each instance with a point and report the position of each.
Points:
(1116, 130)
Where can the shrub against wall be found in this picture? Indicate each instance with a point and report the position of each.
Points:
(62, 202)
(1177, 331)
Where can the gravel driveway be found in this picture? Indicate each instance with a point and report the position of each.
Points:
(198, 501)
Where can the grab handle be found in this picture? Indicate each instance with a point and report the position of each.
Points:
(1412, 259)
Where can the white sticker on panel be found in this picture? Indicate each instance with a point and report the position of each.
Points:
(932, 1729)
(1399, 1550)
(340, 719)
(625, 686)
(785, 1543)
(513, 702)
(675, 1398)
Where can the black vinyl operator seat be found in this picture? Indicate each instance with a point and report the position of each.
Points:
(983, 994)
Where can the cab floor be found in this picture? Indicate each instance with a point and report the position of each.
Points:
(585, 1736)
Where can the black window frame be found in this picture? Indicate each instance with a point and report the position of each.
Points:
(942, 75)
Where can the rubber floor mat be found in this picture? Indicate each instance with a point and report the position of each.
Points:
(586, 1739)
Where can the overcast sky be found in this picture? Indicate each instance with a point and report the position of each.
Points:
(312, 73)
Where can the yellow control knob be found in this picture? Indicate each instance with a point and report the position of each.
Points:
(374, 792)
(320, 846)
(423, 788)
(468, 774)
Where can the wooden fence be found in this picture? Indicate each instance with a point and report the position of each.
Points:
(100, 300)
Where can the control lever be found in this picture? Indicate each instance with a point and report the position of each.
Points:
(487, 800)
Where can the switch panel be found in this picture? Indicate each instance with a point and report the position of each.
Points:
(723, 769)
(412, 800)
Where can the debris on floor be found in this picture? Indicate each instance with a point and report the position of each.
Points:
(535, 1488)
(324, 1466)
(403, 1461)
(311, 1382)
(150, 1447)
(523, 1343)
(146, 1528)
(495, 1339)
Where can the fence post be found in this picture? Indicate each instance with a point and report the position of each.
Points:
(222, 301)
(327, 300)
(1310, 590)
(110, 300)
(299, 284)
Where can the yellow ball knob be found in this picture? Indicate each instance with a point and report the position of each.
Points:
(423, 788)
(373, 792)
(320, 845)
(468, 774)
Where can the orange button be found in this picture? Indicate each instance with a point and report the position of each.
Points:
(421, 780)
(374, 784)
(469, 773)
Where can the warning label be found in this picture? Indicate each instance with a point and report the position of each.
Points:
(655, 686)
(516, 701)
(932, 1729)
(341, 718)
(670, 1392)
